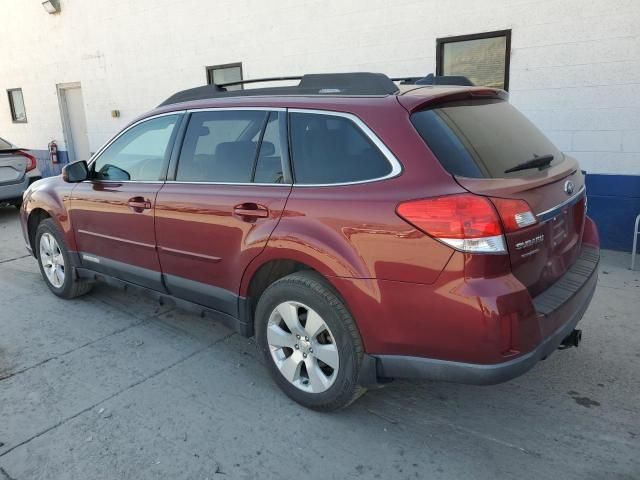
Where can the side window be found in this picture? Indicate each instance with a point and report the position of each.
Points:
(331, 149)
(139, 154)
(221, 146)
(269, 165)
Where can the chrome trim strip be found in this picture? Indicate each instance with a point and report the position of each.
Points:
(244, 184)
(396, 166)
(222, 109)
(552, 212)
(185, 254)
(118, 239)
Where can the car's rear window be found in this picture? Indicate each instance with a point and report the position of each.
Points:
(482, 138)
(4, 144)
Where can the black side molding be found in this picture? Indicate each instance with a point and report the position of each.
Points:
(226, 319)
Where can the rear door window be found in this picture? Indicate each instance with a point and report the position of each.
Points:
(330, 149)
(482, 138)
(221, 146)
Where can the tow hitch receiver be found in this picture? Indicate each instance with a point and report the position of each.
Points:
(571, 340)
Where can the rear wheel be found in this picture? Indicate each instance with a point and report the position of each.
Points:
(310, 342)
(55, 262)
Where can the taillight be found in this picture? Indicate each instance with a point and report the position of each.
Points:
(465, 222)
(31, 160)
(515, 214)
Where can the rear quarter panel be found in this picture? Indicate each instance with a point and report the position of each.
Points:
(353, 231)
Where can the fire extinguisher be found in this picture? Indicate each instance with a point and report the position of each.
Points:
(53, 151)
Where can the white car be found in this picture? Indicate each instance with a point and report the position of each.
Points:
(18, 170)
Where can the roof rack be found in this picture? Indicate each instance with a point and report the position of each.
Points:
(343, 84)
(333, 84)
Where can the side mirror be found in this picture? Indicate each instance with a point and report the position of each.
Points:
(75, 172)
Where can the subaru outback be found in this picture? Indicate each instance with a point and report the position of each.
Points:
(360, 229)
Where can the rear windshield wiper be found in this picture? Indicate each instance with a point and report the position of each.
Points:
(535, 162)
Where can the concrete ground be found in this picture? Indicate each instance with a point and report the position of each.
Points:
(113, 386)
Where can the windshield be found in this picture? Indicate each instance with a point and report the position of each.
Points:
(483, 138)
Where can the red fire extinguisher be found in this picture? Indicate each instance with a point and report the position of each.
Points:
(53, 151)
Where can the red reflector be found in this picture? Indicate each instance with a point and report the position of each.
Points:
(454, 216)
(515, 214)
(31, 160)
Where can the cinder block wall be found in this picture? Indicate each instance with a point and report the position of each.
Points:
(575, 64)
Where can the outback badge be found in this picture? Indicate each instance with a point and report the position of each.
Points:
(530, 243)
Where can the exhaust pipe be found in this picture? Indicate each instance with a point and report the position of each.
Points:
(572, 340)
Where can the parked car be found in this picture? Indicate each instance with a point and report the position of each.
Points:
(18, 170)
(360, 230)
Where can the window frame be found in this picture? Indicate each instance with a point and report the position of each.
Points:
(175, 135)
(12, 107)
(286, 158)
(441, 42)
(210, 69)
(396, 166)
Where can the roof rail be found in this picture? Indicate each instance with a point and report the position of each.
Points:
(341, 84)
(333, 84)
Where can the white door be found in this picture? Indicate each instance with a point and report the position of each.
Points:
(75, 123)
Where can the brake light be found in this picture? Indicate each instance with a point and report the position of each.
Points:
(31, 160)
(515, 214)
(465, 222)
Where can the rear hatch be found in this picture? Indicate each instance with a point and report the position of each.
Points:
(480, 141)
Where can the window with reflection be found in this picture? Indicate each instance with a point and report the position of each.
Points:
(482, 58)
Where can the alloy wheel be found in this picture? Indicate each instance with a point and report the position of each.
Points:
(52, 260)
(303, 347)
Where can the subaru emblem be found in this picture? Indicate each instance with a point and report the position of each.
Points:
(568, 187)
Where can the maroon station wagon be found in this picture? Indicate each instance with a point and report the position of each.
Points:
(360, 229)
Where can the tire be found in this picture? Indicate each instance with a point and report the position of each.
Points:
(305, 300)
(17, 203)
(62, 282)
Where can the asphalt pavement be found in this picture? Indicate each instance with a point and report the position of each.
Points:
(114, 386)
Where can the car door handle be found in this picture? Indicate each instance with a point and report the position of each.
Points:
(251, 210)
(139, 204)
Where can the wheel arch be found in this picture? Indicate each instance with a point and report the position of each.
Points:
(36, 216)
(259, 275)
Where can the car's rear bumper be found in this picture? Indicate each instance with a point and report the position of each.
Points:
(568, 299)
(12, 191)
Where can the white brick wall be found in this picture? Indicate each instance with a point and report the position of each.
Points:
(575, 64)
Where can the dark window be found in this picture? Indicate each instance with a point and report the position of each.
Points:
(4, 144)
(483, 58)
(331, 149)
(16, 104)
(231, 72)
(139, 154)
(482, 138)
(269, 165)
(221, 146)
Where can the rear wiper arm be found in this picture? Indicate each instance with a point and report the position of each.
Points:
(535, 162)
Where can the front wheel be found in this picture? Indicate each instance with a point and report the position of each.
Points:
(55, 262)
(309, 342)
